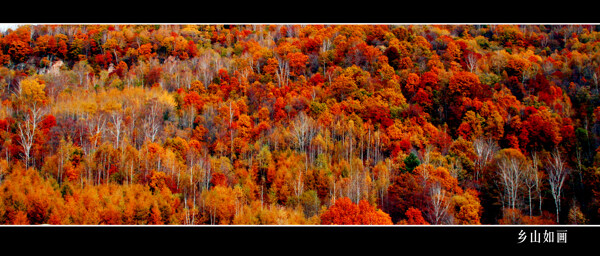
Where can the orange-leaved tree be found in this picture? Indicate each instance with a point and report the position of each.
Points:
(414, 216)
(345, 212)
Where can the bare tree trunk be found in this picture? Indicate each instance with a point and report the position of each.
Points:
(27, 130)
(532, 180)
(511, 178)
(117, 125)
(231, 128)
(299, 186)
(471, 61)
(282, 72)
(485, 149)
(151, 123)
(439, 205)
(557, 172)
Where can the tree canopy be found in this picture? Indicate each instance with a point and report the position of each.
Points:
(299, 124)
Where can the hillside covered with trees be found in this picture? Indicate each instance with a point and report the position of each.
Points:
(300, 124)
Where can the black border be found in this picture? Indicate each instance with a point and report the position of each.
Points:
(296, 239)
(310, 11)
(339, 240)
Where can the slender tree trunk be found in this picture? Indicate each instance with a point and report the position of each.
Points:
(529, 191)
(557, 173)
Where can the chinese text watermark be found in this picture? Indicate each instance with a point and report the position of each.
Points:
(542, 237)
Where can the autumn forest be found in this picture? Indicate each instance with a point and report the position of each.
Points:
(311, 124)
